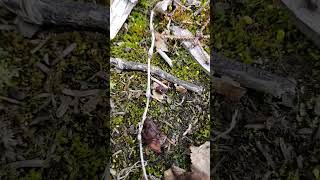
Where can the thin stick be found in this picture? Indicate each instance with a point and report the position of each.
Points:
(135, 66)
(159, 82)
(10, 100)
(124, 173)
(232, 125)
(148, 95)
(190, 126)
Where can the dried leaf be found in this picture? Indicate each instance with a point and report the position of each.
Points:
(151, 135)
(157, 95)
(195, 175)
(181, 89)
(174, 171)
(200, 157)
(25, 28)
(229, 88)
(160, 43)
(159, 88)
(168, 175)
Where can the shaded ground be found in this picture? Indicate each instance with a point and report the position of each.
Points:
(69, 135)
(269, 141)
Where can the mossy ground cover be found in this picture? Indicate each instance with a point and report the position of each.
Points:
(262, 33)
(172, 117)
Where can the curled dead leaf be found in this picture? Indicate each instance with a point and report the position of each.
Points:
(159, 88)
(176, 173)
(151, 135)
(157, 95)
(181, 89)
(200, 158)
(160, 42)
(229, 88)
(200, 168)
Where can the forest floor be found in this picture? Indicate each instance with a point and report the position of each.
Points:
(55, 124)
(269, 140)
(172, 116)
(46, 131)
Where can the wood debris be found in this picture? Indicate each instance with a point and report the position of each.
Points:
(10, 100)
(65, 52)
(82, 93)
(64, 106)
(135, 66)
(43, 68)
(35, 163)
(254, 78)
(119, 12)
(40, 45)
(198, 53)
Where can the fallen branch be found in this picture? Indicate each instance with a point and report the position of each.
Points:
(57, 12)
(135, 66)
(254, 78)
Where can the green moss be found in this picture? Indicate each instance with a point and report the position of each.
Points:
(33, 175)
(258, 35)
(133, 44)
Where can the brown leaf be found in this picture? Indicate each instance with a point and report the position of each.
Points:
(160, 43)
(168, 175)
(181, 89)
(151, 135)
(196, 175)
(157, 95)
(229, 88)
(161, 90)
(200, 158)
(176, 173)
(173, 172)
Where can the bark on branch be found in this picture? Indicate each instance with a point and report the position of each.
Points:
(59, 12)
(254, 78)
(135, 66)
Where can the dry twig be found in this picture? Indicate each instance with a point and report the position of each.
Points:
(232, 125)
(148, 95)
(129, 65)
